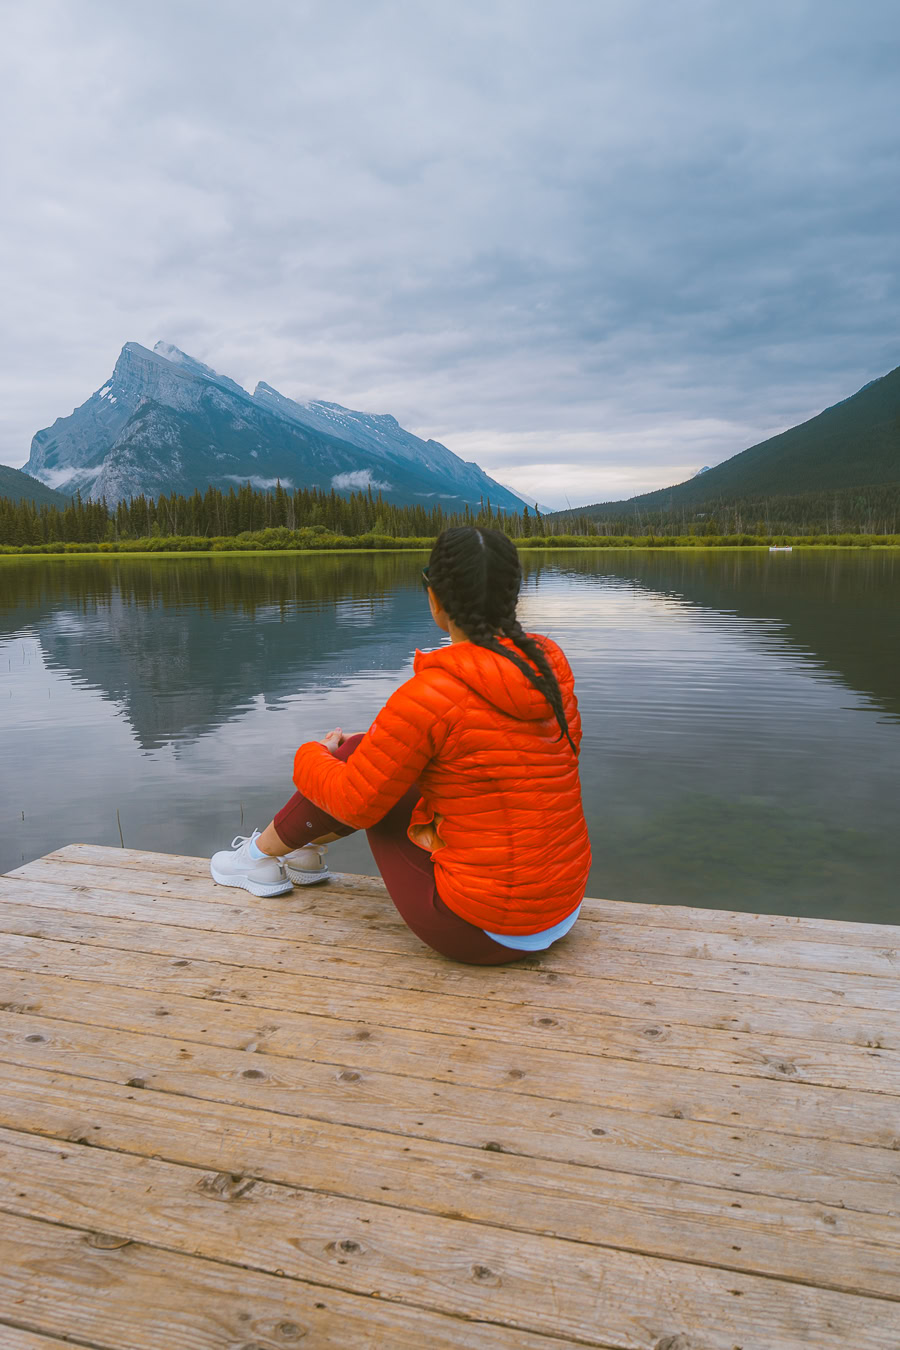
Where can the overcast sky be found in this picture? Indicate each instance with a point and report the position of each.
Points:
(592, 244)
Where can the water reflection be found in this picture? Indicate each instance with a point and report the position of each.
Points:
(742, 711)
(842, 609)
(184, 645)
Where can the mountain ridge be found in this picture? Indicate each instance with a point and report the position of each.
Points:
(166, 422)
(854, 443)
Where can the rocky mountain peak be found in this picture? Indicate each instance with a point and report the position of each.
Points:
(167, 422)
(179, 358)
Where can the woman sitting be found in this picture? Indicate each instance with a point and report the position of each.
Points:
(466, 783)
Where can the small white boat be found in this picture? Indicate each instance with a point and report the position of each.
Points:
(781, 548)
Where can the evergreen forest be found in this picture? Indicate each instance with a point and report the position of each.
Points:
(245, 518)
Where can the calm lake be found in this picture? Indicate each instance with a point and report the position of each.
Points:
(741, 710)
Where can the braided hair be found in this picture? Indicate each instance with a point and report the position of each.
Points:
(476, 576)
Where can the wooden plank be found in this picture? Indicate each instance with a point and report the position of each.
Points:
(289, 918)
(179, 864)
(71, 1282)
(360, 1248)
(638, 1301)
(228, 1053)
(827, 1113)
(369, 1249)
(17, 1338)
(848, 1175)
(724, 1051)
(593, 939)
(647, 1214)
(513, 983)
(331, 898)
(568, 1027)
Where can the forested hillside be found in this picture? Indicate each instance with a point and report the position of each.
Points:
(840, 470)
(21, 487)
(859, 510)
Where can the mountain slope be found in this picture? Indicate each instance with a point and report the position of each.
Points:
(855, 443)
(383, 436)
(164, 422)
(21, 487)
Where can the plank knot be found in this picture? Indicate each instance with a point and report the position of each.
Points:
(107, 1242)
(290, 1331)
(226, 1186)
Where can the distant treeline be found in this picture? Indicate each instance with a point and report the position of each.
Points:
(218, 515)
(309, 518)
(862, 510)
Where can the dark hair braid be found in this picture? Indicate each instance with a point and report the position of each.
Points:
(476, 575)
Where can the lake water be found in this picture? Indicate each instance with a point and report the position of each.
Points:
(741, 710)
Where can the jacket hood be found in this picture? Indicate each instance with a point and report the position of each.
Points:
(492, 676)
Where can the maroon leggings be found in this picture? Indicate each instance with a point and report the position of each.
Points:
(407, 871)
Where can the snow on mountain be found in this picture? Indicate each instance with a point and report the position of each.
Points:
(165, 422)
(382, 435)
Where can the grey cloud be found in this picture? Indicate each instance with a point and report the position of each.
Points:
(600, 243)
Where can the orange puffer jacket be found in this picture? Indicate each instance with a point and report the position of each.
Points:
(500, 810)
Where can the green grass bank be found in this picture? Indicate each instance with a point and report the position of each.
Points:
(302, 541)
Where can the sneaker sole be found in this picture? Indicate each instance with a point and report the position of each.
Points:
(306, 878)
(254, 887)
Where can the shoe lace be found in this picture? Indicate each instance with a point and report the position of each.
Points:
(240, 840)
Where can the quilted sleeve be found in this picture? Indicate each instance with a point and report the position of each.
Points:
(408, 732)
(556, 657)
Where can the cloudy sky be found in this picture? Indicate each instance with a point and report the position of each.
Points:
(593, 244)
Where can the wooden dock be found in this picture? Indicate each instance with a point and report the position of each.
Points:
(240, 1124)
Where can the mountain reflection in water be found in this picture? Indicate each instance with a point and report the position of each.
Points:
(741, 710)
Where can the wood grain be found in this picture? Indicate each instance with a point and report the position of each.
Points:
(815, 1112)
(369, 929)
(323, 899)
(509, 983)
(852, 1176)
(17, 1338)
(427, 1171)
(74, 1282)
(238, 1124)
(482, 1273)
(616, 998)
(731, 1051)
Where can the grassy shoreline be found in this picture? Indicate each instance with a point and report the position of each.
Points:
(231, 548)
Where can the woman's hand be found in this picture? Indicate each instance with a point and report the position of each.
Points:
(333, 740)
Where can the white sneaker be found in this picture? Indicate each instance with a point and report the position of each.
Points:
(305, 866)
(259, 876)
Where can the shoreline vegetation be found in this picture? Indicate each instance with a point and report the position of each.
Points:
(313, 520)
(182, 546)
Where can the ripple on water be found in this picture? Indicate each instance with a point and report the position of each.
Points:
(742, 724)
